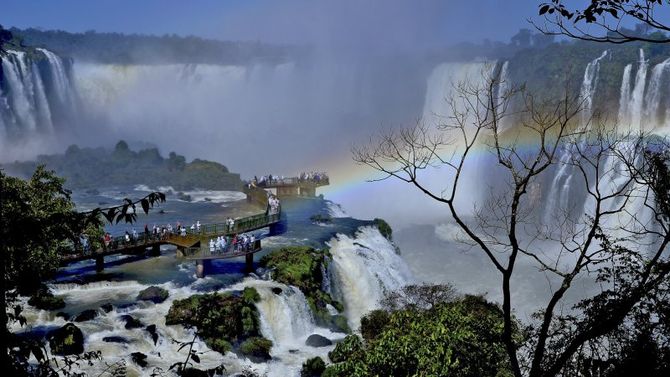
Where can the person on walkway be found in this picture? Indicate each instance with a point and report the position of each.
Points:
(197, 225)
(212, 246)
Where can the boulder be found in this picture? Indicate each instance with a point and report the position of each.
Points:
(139, 358)
(316, 340)
(276, 290)
(256, 348)
(67, 340)
(131, 323)
(45, 300)
(151, 329)
(153, 294)
(115, 339)
(86, 315)
(107, 307)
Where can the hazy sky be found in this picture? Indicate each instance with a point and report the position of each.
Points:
(296, 21)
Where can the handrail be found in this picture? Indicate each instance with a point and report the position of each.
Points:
(205, 252)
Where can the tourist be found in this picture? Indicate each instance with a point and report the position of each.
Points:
(197, 225)
(127, 237)
(212, 246)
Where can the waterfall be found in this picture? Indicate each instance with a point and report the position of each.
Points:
(286, 319)
(559, 194)
(653, 97)
(60, 78)
(364, 269)
(624, 98)
(503, 90)
(637, 97)
(19, 90)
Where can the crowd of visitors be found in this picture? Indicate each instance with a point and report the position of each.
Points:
(232, 244)
(273, 205)
(270, 180)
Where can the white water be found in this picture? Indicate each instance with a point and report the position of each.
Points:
(637, 96)
(364, 269)
(335, 210)
(504, 86)
(559, 193)
(624, 98)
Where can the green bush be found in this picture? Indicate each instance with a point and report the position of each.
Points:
(373, 324)
(384, 228)
(313, 367)
(256, 347)
(45, 300)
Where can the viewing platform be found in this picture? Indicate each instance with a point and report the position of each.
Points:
(194, 245)
(289, 187)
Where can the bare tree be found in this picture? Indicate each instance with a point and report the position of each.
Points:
(615, 170)
(606, 20)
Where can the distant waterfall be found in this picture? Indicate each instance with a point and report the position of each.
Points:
(33, 91)
(624, 98)
(559, 193)
(503, 90)
(637, 97)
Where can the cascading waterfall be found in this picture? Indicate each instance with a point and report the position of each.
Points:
(559, 193)
(637, 96)
(503, 90)
(27, 106)
(653, 97)
(624, 98)
(364, 269)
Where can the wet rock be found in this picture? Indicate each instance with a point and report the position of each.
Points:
(86, 315)
(139, 358)
(107, 307)
(131, 323)
(276, 290)
(151, 329)
(45, 300)
(67, 340)
(256, 348)
(63, 315)
(153, 294)
(316, 340)
(115, 339)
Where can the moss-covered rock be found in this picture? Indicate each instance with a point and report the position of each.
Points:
(224, 320)
(313, 367)
(303, 267)
(384, 228)
(86, 315)
(67, 340)
(256, 347)
(153, 294)
(45, 300)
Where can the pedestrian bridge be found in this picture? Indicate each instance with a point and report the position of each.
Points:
(194, 245)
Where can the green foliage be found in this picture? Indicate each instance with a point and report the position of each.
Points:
(250, 295)
(256, 347)
(384, 228)
(92, 168)
(313, 367)
(67, 340)
(460, 338)
(45, 300)
(373, 323)
(222, 319)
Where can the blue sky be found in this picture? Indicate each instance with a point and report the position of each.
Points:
(426, 22)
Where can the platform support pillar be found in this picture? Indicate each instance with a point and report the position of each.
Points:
(200, 268)
(99, 263)
(180, 252)
(155, 251)
(249, 263)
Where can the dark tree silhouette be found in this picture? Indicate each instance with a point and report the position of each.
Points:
(607, 20)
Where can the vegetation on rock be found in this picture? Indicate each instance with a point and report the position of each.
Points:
(384, 228)
(224, 321)
(313, 367)
(45, 300)
(303, 267)
(67, 340)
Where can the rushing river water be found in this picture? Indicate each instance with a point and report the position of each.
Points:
(365, 265)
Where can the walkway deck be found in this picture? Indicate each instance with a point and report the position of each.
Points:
(192, 245)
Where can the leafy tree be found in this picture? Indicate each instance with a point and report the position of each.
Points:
(460, 338)
(38, 224)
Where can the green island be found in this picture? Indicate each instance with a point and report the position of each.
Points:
(92, 168)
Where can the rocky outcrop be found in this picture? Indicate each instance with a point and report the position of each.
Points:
(67, 340)
(153, 294)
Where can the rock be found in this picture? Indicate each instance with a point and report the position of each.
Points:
(67, 340)
(339, 323)
(45, 300)
(256, 348)
(86, 315)
(63, 315)
(277, 290)
(193, 372)
(153, 294)
(115, 339)
(131, 323)
(107, 307)
(151, 329)
(139, 358)
(316, 340)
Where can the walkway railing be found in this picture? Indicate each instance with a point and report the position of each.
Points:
(294, 181)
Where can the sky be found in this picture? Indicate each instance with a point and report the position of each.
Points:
(295, 21)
